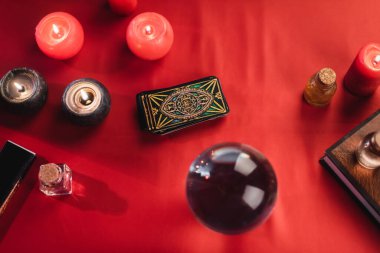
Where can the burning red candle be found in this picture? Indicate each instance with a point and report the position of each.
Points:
(150, 36)
(123, 7)
(363, 77)
(59, 35)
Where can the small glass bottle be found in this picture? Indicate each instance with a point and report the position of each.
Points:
(321, 87)
(55, 179)
(368, 152)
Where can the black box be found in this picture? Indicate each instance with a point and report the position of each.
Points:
(14, 163)
(166, 110)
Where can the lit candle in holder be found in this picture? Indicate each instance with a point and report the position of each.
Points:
(59, 35)
(150, 36)
(23, 89)
(363, 77)
(86, 101)
(123, 7)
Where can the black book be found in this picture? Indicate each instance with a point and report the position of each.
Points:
(340, 158)
(14, 163)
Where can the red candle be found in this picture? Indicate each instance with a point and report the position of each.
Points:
(59, 35)
(150, 36)
(363, 77)
(123, 7)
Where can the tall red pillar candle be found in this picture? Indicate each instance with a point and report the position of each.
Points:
(363, 77)
(150, 36)
(59, 35)
(123, 7)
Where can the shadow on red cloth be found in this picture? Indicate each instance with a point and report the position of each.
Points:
(90, 194)
(352, 107)
(313, 121)
(61, 129)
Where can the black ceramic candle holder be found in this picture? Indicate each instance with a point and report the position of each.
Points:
(86, 101)
(23, 90)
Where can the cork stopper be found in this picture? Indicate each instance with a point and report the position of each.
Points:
(49, 173)
(327, 76)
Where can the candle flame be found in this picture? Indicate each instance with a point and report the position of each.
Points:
(19, 87)
(55, 29)
(84, 95)
(148, 30)
(57, 32)
(376, 60)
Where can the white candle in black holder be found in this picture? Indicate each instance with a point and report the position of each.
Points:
(23, 90)
(86, 101)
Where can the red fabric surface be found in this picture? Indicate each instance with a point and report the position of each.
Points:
(129, 186)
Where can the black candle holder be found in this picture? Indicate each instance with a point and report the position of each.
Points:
(86, 101)
(23, 90)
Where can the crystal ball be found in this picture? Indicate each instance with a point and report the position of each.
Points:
(231, 188)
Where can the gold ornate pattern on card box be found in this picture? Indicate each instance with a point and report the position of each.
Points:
(166, 110)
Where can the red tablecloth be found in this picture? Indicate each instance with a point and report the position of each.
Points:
(129, 186)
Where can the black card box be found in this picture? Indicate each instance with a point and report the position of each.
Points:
(166, 110)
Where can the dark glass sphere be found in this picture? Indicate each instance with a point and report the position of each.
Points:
(231, 188)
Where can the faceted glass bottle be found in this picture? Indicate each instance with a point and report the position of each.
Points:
(321, 87)
(55, 179)
(368, 152)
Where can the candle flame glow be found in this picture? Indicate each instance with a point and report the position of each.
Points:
(148, 30)
(376, 60)
(55, 29)
(84, 95)
(86, 98)
(57, 32)
(19, 87)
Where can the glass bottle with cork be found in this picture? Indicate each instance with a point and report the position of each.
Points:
(55, 179)
(321, 88)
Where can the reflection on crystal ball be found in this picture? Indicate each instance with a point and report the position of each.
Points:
(231, 188)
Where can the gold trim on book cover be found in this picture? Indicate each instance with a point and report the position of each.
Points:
(6, 202)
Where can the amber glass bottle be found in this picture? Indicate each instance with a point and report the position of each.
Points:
(321, 87)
